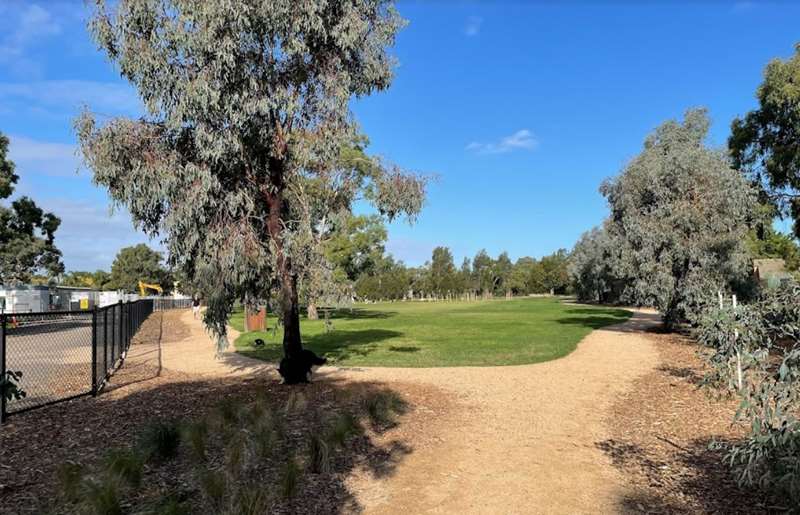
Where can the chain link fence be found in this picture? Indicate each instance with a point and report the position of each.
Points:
(66, 354)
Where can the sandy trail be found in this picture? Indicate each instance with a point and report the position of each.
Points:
(518, 439)
(522, 439)
(188, 349)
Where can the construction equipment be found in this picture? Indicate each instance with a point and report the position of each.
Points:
(143, 287)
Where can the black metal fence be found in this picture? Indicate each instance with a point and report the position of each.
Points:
(66, 354)
(164, 303)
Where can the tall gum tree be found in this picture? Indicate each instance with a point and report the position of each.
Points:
(247, 115)
(679, 217)
(766, 142)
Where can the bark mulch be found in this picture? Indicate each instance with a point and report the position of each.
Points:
(662, 431)
(33, 445)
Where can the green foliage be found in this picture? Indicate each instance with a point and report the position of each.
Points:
(195, 436)
(160, 440)
(319, 455)
(9, 385)
(344, 426)
(592, 268)
(769, 243)
(99, 280)
(679, 215)
(125, 464)
(235, 179)
(69, 477)
(391, 281)
(290, 475)
(27, 233)
(103, 497)
(251, 499)
(172, 506)
(357, 245)
(214, 486)
(765, 144)
(138, 263)
(757, 354)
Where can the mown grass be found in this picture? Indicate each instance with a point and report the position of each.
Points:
(440, 334)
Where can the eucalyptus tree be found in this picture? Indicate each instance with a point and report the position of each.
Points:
(442, 272)
(482, 273)
(592, 267)
(679, 216)
(247, 107)
(766, 142)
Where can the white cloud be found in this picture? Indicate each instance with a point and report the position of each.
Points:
(523, 139)
(43, 157)
(70, 95)
(473, 26)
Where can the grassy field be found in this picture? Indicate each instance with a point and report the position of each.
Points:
(421, 334)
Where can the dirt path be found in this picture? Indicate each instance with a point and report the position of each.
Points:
(522, 439)
(186, 348)
(516, 439)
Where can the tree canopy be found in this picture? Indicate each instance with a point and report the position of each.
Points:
(766, 142)
(27, 233)
(679, 217)
(134, 264)
(247, 118)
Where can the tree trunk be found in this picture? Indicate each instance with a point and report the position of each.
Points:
(311, 311)
(292, 344)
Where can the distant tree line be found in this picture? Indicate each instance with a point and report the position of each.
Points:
(358, 255)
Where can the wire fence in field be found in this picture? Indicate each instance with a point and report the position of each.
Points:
(67, 354)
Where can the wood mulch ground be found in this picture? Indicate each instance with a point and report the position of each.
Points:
(34, 444)
(662, 429)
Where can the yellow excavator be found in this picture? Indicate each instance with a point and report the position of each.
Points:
(143, 287)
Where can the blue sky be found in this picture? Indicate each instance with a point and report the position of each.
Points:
(520, 109)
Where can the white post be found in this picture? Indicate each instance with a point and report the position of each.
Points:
(738, 352)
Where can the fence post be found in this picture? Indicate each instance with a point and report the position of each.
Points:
(105, 343)
(94, 351)
(119, 341)
(2, 367)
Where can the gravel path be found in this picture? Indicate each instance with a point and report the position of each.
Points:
(522, 439)
(516, 439)
(190, 350)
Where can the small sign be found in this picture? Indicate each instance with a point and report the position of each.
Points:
(84, 303)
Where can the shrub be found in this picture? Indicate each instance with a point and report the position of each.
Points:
(319, 456)
(160, 440)
(345, 425)
(195, 435)
(757, 354)
(289, 478)
(103, 497)
(383, 406)
(251, 499)
(171, 506)
(125, 464)
(70, 480)
(213, 485)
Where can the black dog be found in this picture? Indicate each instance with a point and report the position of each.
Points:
(297, 369)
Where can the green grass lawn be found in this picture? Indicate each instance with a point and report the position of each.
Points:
(440, 334)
